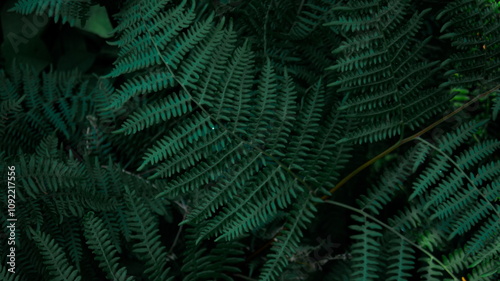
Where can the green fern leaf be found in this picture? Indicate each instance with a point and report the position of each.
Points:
(147, 246)
(99, 242)
(173, 106)
(8, 275)
(366, 250)
(287, 244)
(473, 28)
(380, 75)
(400, 260)
(54, 258)
(67, 11)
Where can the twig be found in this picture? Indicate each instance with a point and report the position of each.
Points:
(408, 139)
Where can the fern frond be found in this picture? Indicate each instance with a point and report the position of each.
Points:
(227, 185)
(70, 230)
(453, 195)
(201, 263)
(387, 188)
(40, 175)
(476, 154)
(451, 201)
(58, 101)
(147, 246)
(99, 242)
(8, 107)
(192, 129)
(306, 127)
(234, 91)
(141, 84)
(210, 82)
(191, 155)
(473, 28)
(266, 97)
(311, 16)
(287, 243)
(456, 260)
(431, 271)
(483, 237)
(487, 270)
(174, 46)
(215, 166)
(67, 11)
(366, 250)
(253, 207)
(201, 56)
(54, 257)
(380, 76)
(7, 275)
(48, 147)
(400, 260)
(174, 105)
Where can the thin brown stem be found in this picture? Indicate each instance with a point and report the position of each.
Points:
(408, 139)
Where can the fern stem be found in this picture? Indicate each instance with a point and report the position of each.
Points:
(131, 174)
(176, 237)
(265, 27)
(262, 248)
(362, 167)
(408, 139)
(391, 229)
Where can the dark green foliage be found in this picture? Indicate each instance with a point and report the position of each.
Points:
(100, 243)
(474, 30)
(205, 130)
(442, 207)
(65, 11)
(203, 263)
(54, 258)
(383, 76)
